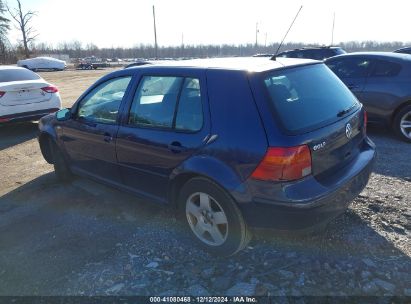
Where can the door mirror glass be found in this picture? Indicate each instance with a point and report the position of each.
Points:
(63, 114)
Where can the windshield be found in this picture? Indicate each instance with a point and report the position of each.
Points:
(17, 75)
(308, 97)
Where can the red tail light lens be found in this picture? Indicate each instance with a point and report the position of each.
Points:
(50, 89)
(284, 164)
(365, 121)
(2, 94)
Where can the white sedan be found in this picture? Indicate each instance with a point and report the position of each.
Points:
(42, 63)
(25, 96)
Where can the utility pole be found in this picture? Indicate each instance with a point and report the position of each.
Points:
(182, 45)
(332, 33)
(155, 33)
(256, 34)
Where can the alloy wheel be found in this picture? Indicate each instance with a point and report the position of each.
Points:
(207, 219)
(405, 125)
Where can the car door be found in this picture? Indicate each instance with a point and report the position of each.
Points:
(40, 63)
(353, 71)
(384, 88)
(90, 136)
(167, 123)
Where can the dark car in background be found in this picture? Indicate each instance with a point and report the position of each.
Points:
(406, 50)
(316, 53)
(382, 82)
(231, 143)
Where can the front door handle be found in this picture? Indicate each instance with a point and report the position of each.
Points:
(176, 147)
(107, 137)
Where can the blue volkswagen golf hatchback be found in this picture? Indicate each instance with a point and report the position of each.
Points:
(231, 143)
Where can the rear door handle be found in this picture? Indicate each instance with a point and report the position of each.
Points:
(176, 147)
(107, 137)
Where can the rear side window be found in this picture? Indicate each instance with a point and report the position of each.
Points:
(167, 102)
(385, 69)
(17, 75)
(350, 67)
(190, 113)
(308, 97)
(155, 101)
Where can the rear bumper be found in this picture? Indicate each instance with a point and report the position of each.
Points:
(27, 116)
(308, 203)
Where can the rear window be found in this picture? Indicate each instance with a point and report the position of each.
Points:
(308, 97)
(17, 75)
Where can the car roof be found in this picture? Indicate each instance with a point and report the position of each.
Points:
(249, 64)
(313, 48)
(376, 55)
(404, 49)
(10, 67)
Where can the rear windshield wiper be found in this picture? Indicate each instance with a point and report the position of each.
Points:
(346, 111)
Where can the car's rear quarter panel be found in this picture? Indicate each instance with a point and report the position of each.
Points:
(241, 139)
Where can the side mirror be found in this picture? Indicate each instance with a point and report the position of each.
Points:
(63, 114)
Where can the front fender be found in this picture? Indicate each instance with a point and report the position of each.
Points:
(47, 126)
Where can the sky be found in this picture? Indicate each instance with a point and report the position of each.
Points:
(126, 23)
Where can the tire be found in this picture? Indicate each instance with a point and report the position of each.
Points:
(201, 201)
(61, 169)
(402, 124)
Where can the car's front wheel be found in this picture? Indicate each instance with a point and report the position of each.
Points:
(61, 168)
(213, 217)
(402, 123)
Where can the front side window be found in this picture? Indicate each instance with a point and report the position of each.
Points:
(102, 103)
(167, 102)
(350, 67)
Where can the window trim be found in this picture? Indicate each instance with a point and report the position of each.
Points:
(126, 122)
(78, 103)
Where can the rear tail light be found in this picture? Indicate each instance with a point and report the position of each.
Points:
(50, 89)
(284, 164)
(2, 94)
(365, 122)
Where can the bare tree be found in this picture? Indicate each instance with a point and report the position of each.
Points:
(23, 20)
(4, 28)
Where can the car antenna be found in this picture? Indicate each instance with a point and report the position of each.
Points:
(332, 31)
(285, 36)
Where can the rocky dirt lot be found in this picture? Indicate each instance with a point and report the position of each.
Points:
(82, 238)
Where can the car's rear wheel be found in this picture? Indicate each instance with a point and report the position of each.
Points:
(213, 217)
(61, 168)
(402, 123)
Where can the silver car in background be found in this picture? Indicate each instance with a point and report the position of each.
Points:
(42, 63)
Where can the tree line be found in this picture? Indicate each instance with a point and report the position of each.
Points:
(77, 50)
(27, 46)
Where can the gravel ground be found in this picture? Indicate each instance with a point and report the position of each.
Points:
(83, 238)
(87, 239)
